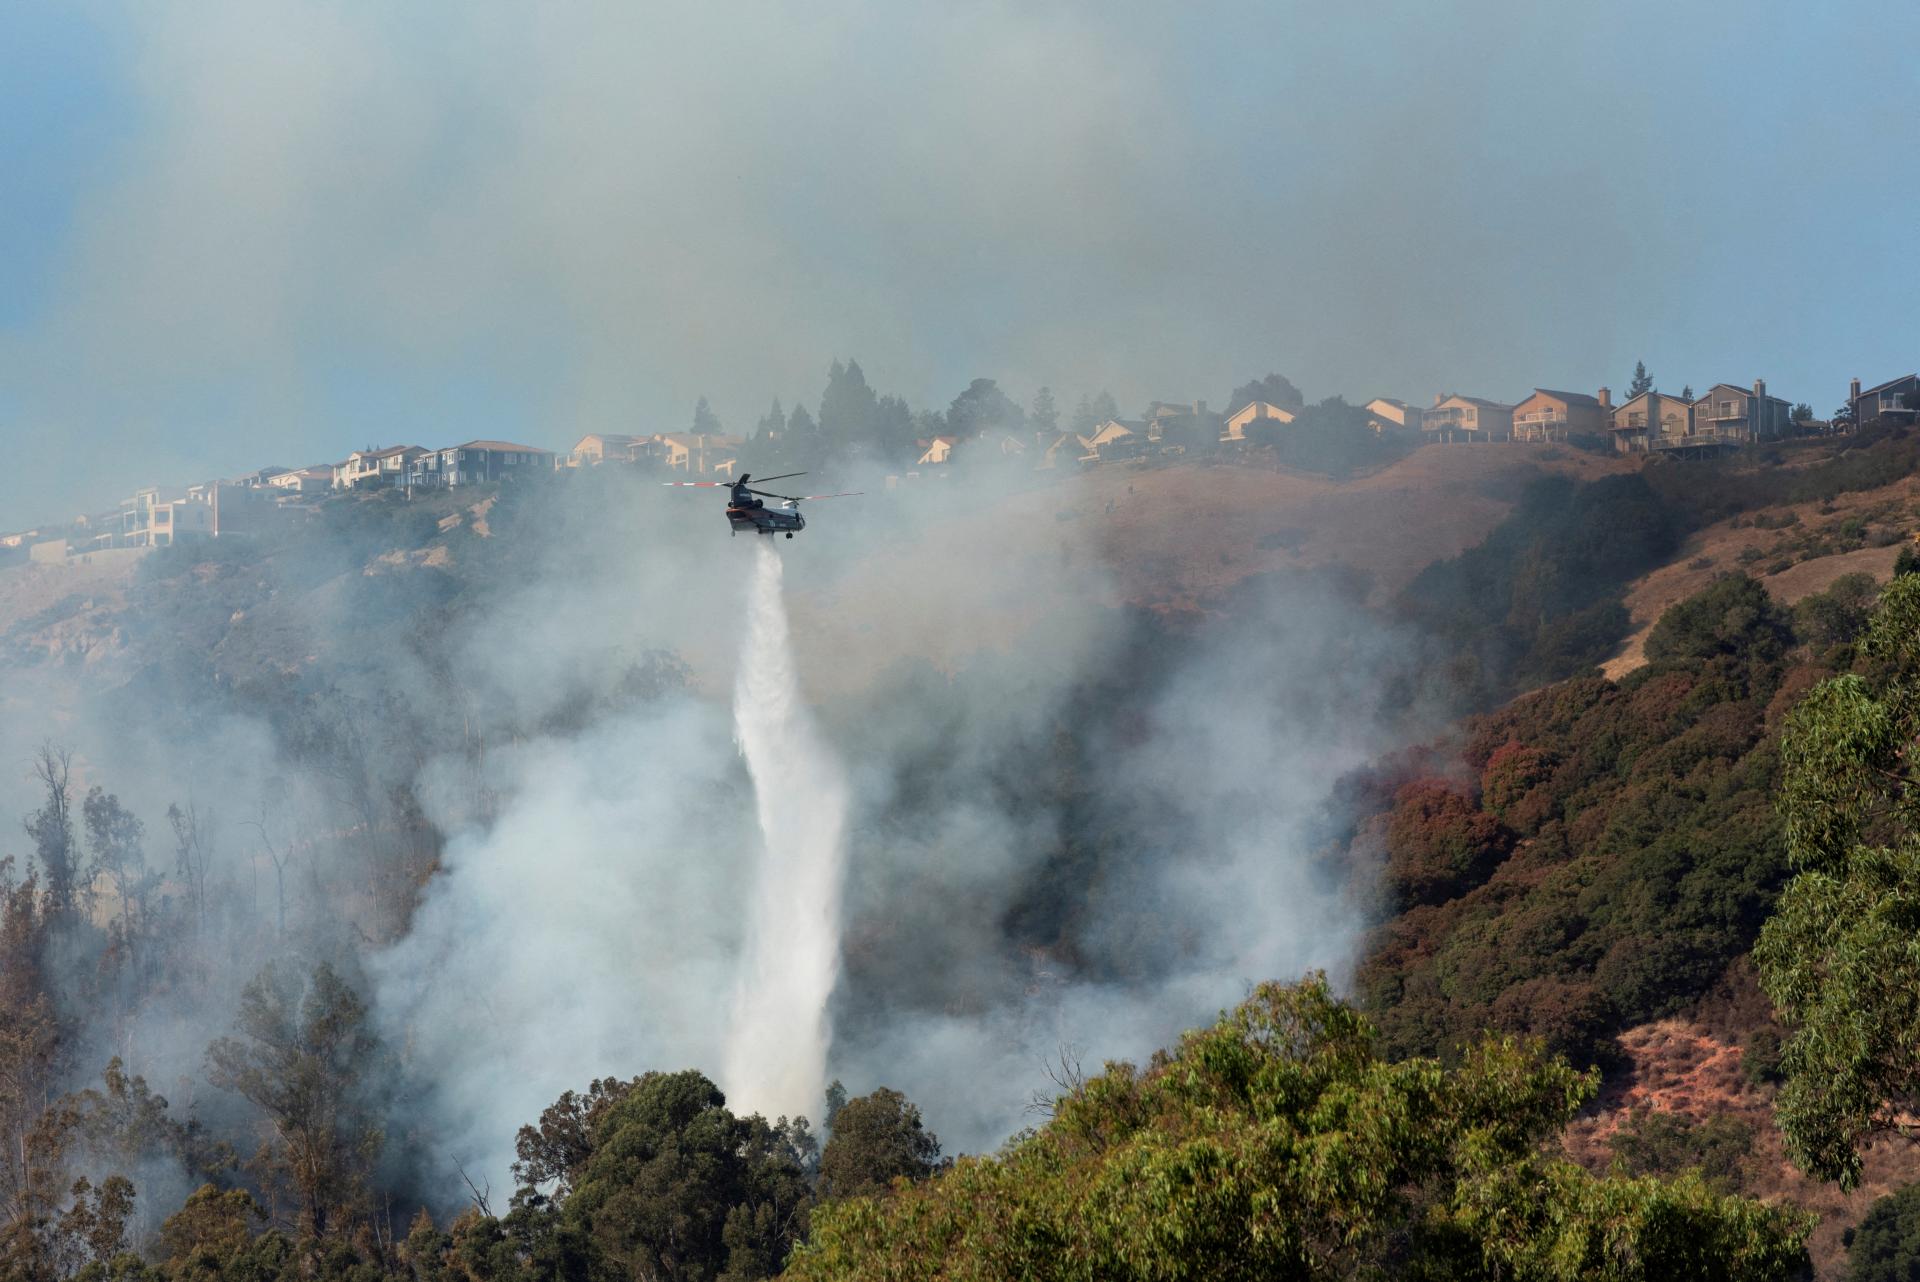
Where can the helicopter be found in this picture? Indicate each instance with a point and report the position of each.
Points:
(746, 512)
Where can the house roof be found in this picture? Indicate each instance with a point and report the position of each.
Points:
(386, 452)
(500, 446)
(1571, 398)
(1889, 383)
(1735, 387)
(702, 441)
(1388, 400)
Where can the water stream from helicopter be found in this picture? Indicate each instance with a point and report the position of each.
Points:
(776, 1054)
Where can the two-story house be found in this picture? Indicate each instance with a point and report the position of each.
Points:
(596, 448)
(371, 467)
(1388, 417)
(476, 463)
(1740, 416)
(1250, 413)
(1652, 421)
(1897, 400)
(1548, 415)
(1466, 418)
(696, 452)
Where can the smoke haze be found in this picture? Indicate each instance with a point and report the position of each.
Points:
(303, 228)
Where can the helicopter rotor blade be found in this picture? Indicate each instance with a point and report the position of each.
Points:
(698, 484)
(844, 494)
(783, 476)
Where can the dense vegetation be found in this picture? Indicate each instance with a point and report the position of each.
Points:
(1839, 958)
(1609, 849)
(1279, 1143)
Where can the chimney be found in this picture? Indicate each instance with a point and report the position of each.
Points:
(1199, 409)
(1605, 398)
(1853, 391)
(1437, 398)
(1759, 389)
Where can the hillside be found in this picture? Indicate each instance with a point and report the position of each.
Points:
(1794, 549)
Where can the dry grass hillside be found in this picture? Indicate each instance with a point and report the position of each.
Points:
(1794, 549)
(1692, 1069)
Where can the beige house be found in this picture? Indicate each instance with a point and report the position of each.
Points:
(1466, 418)
(1253, 411)
(699, 452)
(301, 480)
(1386, 416)
(1116, 439)
(1653, 421)
(596, 448)
(1548, 415)
(938, 450)
(376, 467)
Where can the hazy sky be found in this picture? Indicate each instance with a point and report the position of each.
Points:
(252, 233)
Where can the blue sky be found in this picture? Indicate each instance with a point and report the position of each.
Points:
(239, 234)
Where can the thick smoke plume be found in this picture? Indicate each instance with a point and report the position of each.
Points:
(776, 1057)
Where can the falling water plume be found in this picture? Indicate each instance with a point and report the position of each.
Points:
(776, 1055)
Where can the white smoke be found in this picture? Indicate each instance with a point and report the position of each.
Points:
(776, 1054)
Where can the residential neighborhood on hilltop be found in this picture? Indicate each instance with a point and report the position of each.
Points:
(1649, 422)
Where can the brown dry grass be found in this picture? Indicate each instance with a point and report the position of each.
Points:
(1681, 1066)
(1720, 547)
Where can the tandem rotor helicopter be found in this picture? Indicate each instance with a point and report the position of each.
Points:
(746, 512)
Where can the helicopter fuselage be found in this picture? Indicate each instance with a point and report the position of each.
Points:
(784, 519)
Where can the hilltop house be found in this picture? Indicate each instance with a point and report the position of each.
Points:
(1252, 412)
(1738, 415)
(1386, 416)
(1116, 439)
(596, 448)
(476, 462)
(1897, 400)
(1653, 421)
(370, 467)
(1466, 418)
(301, 480)
(936, 451)
(1548, 415)
(695, 452)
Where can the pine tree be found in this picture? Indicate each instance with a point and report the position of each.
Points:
(705, 422)
(1642, 381)
(1045, 416)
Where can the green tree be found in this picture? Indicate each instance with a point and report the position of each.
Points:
(51, 828)
(116, 840)
(677, 1187)
(771, 427)
(1802, 413)
(1686, 393)
(1274, 389)
(1885, 1246)
(1278, 1144)
(1837, 957)
(1044, 415)
(1732, 616)
(308, 1060)
(980, 407)
(1642, 381)
(876, 1139)
(848, 409)
(705, 421)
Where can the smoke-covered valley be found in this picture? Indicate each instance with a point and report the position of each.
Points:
(482, 759)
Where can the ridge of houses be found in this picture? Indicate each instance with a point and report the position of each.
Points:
(1652, 422)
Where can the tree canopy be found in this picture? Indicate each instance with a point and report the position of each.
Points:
(1838, 956)
(1277, 1143)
